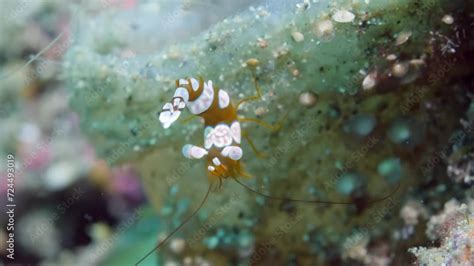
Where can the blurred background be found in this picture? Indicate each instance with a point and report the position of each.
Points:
(67, 199)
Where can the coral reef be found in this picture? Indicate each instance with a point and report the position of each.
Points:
(454, 228)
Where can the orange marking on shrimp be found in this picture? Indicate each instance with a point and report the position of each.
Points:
(222, 135)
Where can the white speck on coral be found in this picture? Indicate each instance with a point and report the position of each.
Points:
(369, 81)
(297, 36)
(403, 37)
(448, 19)
(343, 16)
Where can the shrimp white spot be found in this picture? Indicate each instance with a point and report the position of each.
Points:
(233, 152)
(168, 116)
(204, 101)
(182, 93)
(183, 82)
(211, 168)
(216, 161)
(194, 84)
(224, 99)
(221, 136)
(178, 104)
(167, 107)
(193, 152)
(236, 132)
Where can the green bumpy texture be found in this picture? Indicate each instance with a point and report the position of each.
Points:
(350, 144)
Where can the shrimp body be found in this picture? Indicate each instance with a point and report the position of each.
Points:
(222, 133)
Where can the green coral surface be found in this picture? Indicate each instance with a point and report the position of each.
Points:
(350, 144)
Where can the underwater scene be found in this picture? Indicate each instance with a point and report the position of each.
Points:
(226, 132)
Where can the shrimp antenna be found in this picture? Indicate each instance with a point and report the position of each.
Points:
(315, 201)
(162, 242)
